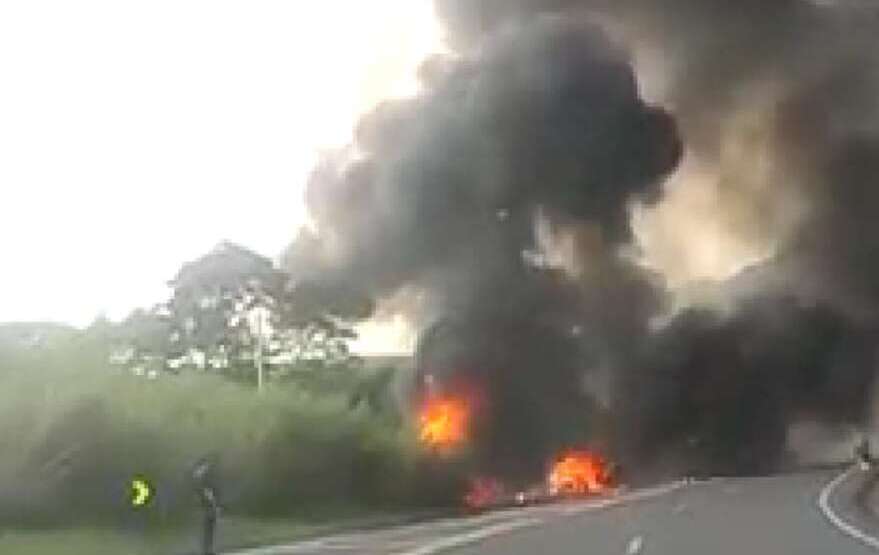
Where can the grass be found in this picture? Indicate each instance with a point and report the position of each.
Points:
(100, 541)
(93, 541)
(233, 533)
(293, 462)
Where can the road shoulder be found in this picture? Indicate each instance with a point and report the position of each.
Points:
(848, 503)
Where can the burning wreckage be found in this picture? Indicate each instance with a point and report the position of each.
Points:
(495, 210)
(444, 424)
(468, 414)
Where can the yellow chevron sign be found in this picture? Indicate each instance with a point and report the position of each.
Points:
(141, 492)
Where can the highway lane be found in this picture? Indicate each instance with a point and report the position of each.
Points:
(772, 515)
(769, 515)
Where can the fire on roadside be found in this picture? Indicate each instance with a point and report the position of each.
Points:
(444, 422)
(579, 472)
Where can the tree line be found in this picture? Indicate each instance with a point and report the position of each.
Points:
(231, 311)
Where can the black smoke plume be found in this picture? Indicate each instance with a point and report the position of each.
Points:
(717, 393)
(444, 191)
(536, 121)
(721, 389)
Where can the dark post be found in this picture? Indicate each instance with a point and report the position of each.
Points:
(204, 479)
(863, 456)
(870, 477)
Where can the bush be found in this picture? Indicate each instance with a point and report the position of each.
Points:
(74, 431)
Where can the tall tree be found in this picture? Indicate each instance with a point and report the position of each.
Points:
(216, 299)
(144, 339)
(233, 307)
(318, 319)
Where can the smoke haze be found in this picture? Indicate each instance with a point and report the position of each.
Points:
(678, 279)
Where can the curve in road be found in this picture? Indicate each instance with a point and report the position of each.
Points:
(769, 515)
(834, 516)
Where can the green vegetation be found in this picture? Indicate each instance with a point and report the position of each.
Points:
(234, 532)
(234, 312)
(74, 430)
(322, 442)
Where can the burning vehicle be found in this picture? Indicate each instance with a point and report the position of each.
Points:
(444, 422)
(579, 472)
(470, 414)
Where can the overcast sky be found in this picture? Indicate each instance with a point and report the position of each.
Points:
(135, 136)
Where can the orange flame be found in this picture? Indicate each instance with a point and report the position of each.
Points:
(444, 422)
(578, 473)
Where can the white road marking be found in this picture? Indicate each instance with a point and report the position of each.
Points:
(635, 545)
(356, 537)
(497, 529)
(291, 548)
(835, 519)
(472, 537)
(636, 496)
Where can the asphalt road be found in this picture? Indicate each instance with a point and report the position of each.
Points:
(770, 515)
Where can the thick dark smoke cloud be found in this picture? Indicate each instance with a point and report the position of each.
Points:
(718, 393)
(814, 65)
(444, 191)
(537, 116)
(546, 115)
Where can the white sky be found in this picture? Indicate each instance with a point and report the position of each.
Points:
(135, 136)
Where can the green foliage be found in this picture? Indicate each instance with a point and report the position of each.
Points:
(74, 430)
(77, 424)
(233, 311)
(145, 339)
(34, 334)
(212, 297)
(374, 391)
